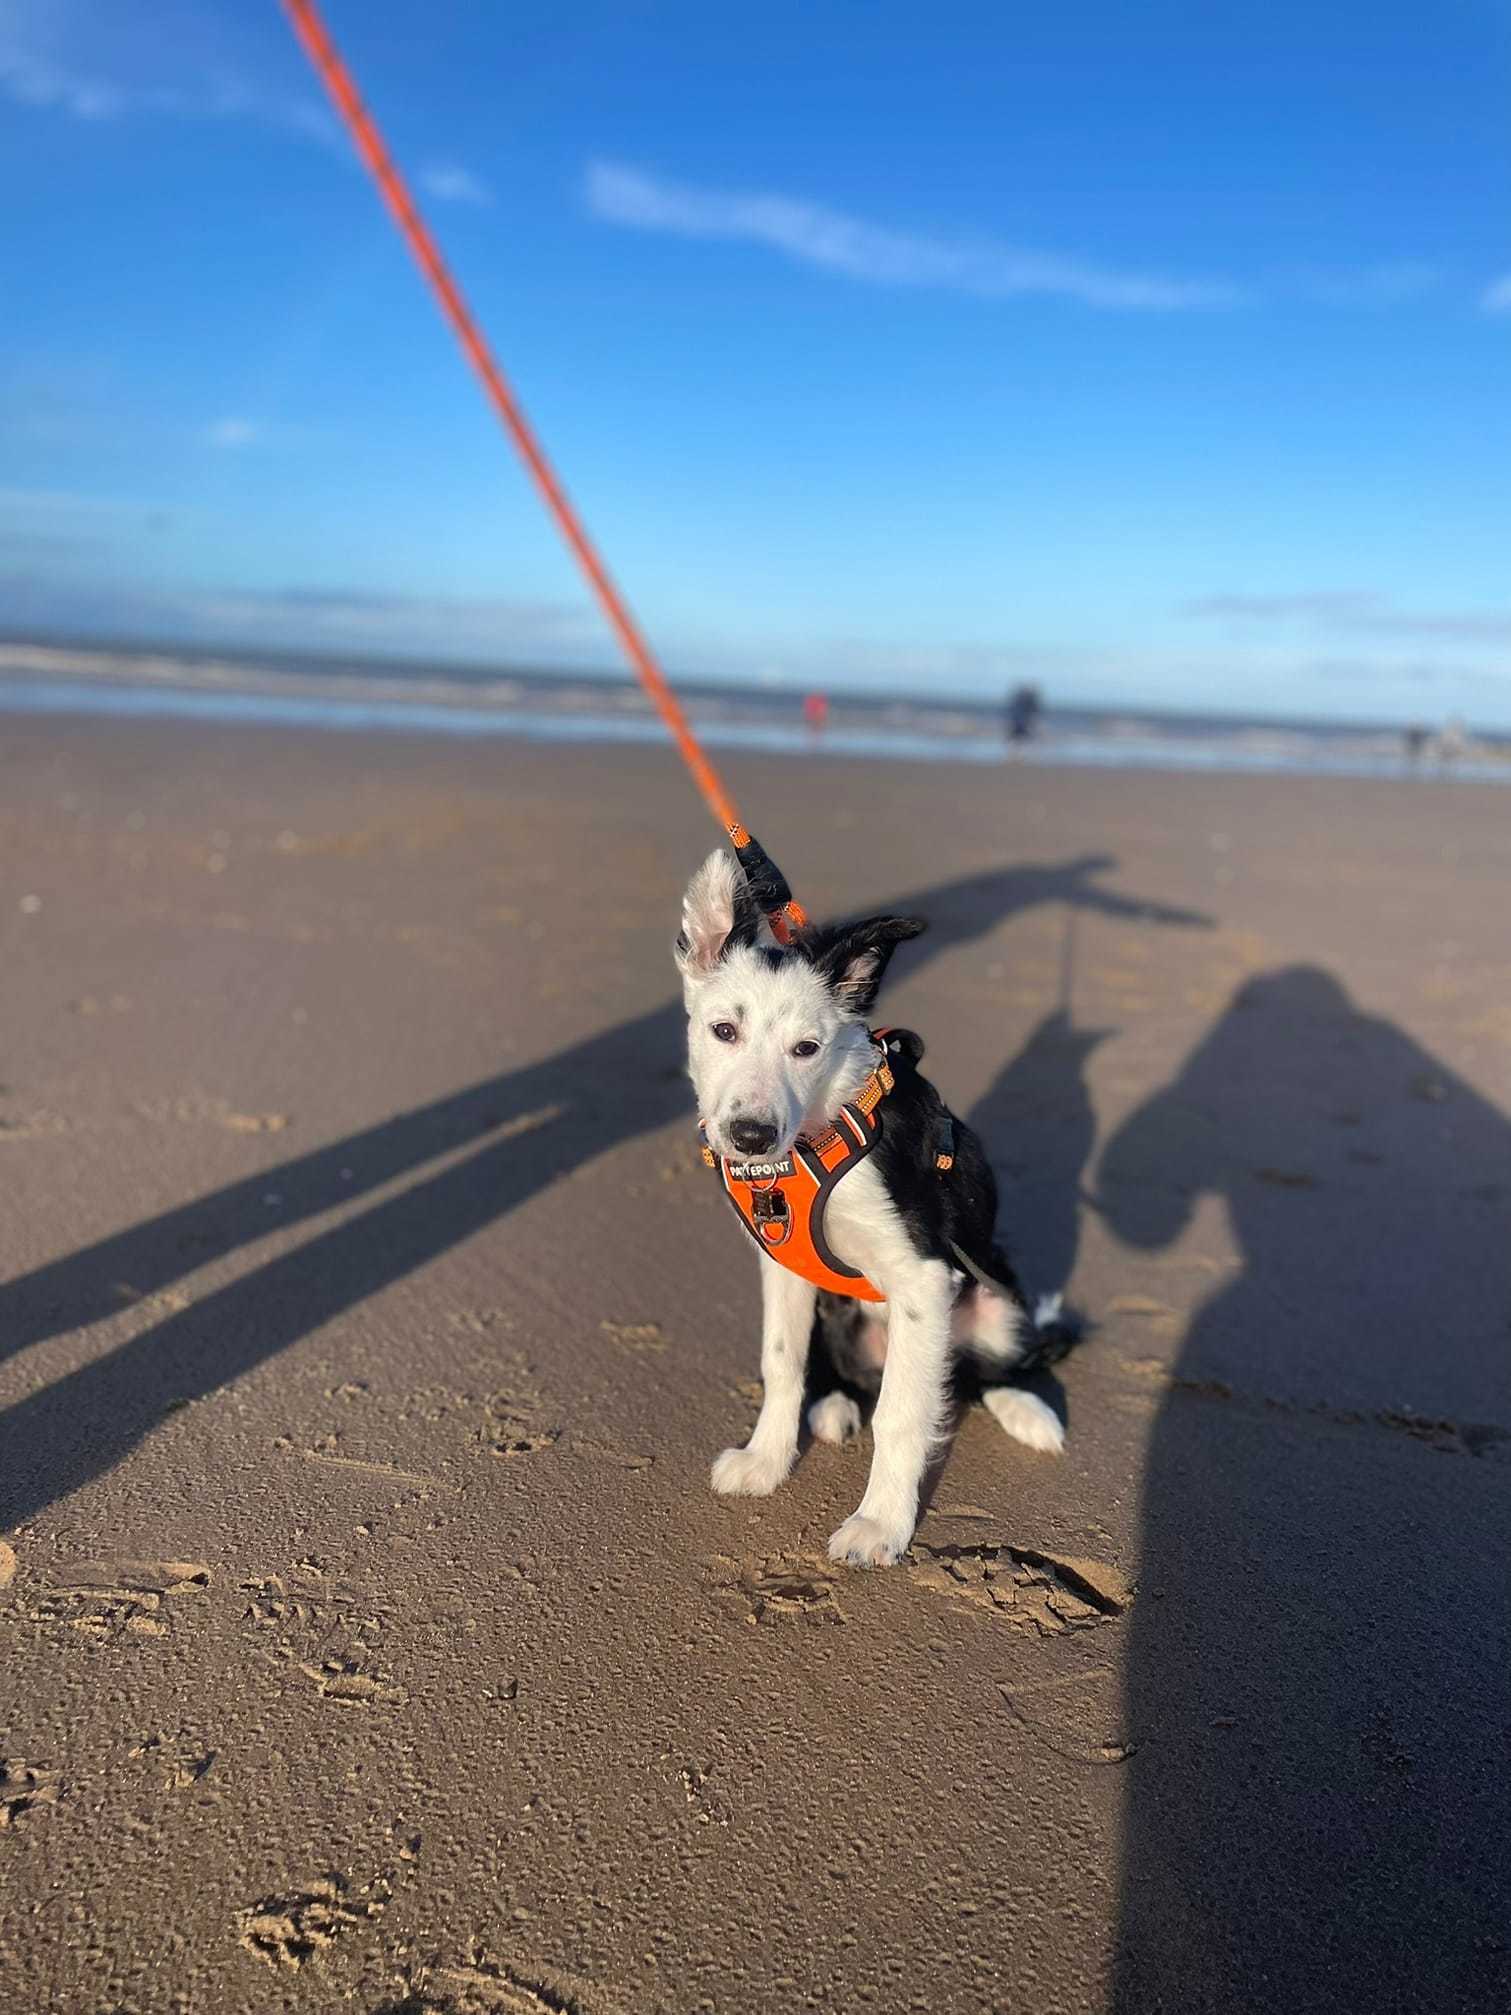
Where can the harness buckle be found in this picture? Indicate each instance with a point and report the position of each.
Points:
(771, 1215)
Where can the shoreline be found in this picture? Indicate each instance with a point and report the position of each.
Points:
(332, 706)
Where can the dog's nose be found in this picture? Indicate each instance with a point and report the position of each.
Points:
(752, 1136)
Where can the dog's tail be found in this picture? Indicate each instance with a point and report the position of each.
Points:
(1047, 1330)
(1050, 1331)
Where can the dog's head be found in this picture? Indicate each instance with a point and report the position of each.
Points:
(777, 1037)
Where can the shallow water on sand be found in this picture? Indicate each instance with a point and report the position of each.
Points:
(561, 709)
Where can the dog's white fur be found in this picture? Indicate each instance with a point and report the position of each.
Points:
(772, 1007)
(834, 1418)
(774, 1011)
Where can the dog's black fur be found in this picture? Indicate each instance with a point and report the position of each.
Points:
(947, 1212)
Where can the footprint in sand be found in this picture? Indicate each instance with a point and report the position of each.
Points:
(640, 1339)
(323, 1631)
(288, 1931)
(25, 1790)
(491, 1987)
(784, 1588)
(347, 1681)
(1079, 1715)
(102, 1598)
(512, 1426)
(181, 1760)
(1042, 1594)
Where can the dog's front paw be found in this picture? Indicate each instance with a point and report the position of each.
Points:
(748, 1472)
(869, 1542)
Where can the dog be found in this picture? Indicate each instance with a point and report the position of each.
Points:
(791, 1082)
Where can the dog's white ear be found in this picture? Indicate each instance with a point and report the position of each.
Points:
(718, 912)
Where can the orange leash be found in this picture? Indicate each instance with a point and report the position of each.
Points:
(322, 52)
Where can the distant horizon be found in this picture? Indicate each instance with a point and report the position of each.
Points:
(333, 660)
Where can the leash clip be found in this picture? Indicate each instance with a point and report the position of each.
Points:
(772, 1216)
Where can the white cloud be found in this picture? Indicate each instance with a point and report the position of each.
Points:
(1327, 605)
(32, 79)
(828, 238)
(232, 432)
(399, 621)
(47, 64)
(69, 504)
(1362, 611)
(449, 183)
(1386, 284)
(1496, 299)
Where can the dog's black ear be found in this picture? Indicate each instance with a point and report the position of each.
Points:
(718, 913)
(853, 957)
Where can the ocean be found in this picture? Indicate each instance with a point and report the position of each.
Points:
(330, 692)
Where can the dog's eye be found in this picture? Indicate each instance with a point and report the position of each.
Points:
(805, 1048)
(725, 1031)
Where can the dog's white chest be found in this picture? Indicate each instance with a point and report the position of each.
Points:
(865, 1231)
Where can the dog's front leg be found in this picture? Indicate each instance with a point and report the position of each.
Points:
(908, 1420)
(787, 1304)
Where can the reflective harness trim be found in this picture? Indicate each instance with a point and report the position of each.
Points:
(782, 1203)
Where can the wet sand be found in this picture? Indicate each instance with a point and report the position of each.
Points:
(368, 1635)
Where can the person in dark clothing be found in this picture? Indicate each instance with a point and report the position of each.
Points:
(1021, 716)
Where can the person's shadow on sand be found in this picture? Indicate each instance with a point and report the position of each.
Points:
(526, 1129)
(1316, 1814)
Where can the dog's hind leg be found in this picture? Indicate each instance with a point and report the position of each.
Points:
(835, 1418)
(787, 1303)
(995, 1332)
(845, 1357)
(1026, 1417)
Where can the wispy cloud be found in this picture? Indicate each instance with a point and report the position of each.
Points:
(80, 591)
(1308, 605)
(43, 65)
(32, 79)
(1389, 283)
(231, 432)
(66, 520)
(449, 183)
(1361, 611)
(817, 236)
(395, 620)
(1496, 299)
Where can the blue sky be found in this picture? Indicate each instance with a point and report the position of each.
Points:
(1161, 351)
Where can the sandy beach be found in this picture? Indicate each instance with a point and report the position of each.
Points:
(369, 1637)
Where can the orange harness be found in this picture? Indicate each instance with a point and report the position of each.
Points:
(782, 1203)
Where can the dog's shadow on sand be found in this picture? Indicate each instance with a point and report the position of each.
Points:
(584, 1100)
(1315, 1809)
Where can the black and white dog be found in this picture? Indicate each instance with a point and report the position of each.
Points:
(778, 1045)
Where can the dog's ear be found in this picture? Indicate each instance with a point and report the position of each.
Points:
(853, 957)
(718, 913)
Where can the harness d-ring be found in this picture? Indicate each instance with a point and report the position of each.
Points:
(783, 1207)
(770, 1213)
